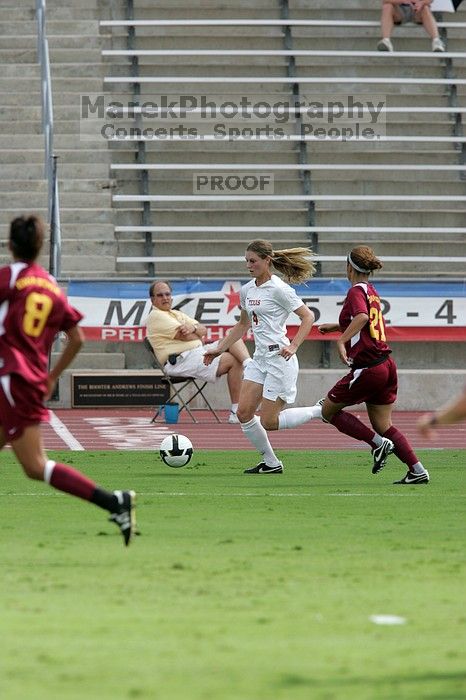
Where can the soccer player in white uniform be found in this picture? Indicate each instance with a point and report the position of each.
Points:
(270, 378)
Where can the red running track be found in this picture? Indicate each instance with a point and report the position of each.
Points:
(131, 429)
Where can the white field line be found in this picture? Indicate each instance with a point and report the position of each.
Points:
(63, 432)
(182, 494)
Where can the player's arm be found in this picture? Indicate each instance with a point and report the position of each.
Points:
(233, 336)
(73, 346)
(328, 328)
(356, 325)
(307, 319)
(453, 412)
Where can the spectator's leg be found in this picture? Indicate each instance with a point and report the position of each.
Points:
(387, 20)
(427, 19)
(230, 366)
(239, 351)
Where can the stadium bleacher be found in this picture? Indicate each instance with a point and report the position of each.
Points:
(128, 207)
(311, 50)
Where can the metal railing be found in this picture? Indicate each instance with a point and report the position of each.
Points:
(50, 159)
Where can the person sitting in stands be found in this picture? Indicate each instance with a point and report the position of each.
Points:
(398, 12)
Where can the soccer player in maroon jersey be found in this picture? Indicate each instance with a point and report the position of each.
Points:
(372, 378)
(33, 309)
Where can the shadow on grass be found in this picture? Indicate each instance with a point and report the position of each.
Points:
(292, 680)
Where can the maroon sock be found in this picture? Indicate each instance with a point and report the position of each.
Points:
(348, 424)
(403, 449)
(71, 481)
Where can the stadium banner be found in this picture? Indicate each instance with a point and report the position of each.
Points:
(413, 311)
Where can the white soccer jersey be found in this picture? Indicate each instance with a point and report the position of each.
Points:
(268, 307)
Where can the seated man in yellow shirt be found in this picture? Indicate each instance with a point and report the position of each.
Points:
(177, 340)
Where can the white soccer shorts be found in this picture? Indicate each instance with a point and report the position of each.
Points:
(277, 376)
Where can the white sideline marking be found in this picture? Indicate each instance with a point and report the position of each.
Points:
(387, 620)
(264, 494)
(63, 432)
(238, 494)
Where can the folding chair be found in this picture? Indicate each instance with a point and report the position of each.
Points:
(175, 389)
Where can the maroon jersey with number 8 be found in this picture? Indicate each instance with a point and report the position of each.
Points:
(33, 309)
(369, 345)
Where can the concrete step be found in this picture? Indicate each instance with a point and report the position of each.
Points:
(392, 246)
(36, 200)
(88, 246)
(76, 84)
(71, 231)
(72, 158)
(25, 56)
(215, 217)
(373, 216)
(35, 170)
(356, 185)
(88, 216)
(96, 360)
(21, 27)
(413, 205)
(76, 265)
(24, 41)
(263, 39)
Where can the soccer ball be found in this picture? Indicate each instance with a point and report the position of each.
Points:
(176, 450)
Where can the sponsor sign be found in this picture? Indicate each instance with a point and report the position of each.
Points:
(413, 311)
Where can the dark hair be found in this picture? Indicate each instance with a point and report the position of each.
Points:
(26, 237)
(365, 258)
(294, 264)
(152, 287)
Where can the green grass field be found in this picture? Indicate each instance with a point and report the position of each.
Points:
(239, 587)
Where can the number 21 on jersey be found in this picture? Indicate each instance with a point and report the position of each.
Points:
(36, 312)
(376, 325)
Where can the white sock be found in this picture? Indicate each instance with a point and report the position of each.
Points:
(418, 468)
(49, 467)
(234, 407)
(377, 440)
(257, 435)
(292, 417)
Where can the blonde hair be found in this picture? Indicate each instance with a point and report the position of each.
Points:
(295, 264)
(363, 259)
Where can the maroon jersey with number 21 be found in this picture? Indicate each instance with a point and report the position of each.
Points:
(368, 346)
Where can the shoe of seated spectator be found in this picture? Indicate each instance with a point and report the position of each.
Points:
(438, 45)
(385, 45)
(233, 418)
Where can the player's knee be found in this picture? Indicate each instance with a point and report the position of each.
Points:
(244, 415)
(269, 422)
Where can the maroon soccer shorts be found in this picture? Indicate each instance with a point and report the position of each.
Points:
(21, 404)
(377, 385)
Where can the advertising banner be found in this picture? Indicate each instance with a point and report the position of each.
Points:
(413, 311)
